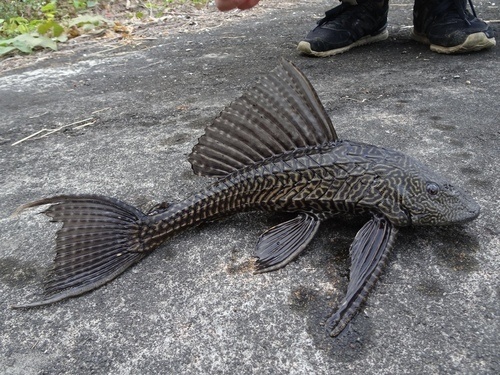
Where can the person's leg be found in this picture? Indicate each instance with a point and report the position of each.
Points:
(351, 24)
(449, 27)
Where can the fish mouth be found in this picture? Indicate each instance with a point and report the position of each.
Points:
(470, 215)
(461, 217)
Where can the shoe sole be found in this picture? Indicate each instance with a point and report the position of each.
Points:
(474, 42)
(305, 47)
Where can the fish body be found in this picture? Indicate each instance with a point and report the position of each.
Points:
(273, 149)
(339, 177)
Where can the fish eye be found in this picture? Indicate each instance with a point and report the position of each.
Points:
(432, 188)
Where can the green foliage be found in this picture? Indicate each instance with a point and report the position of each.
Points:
(25, 16)
(26, 43)
(50, 27)
(18, 25)
(49, 9)
(29, 24)
(82, 4)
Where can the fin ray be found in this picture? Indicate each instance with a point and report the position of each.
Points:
(99, 239)
(281, 113)
(282, 243)
(368, 253)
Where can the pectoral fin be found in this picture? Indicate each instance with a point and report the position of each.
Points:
(281, 244)
(368, 253)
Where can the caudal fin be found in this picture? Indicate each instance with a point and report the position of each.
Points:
(99, 239)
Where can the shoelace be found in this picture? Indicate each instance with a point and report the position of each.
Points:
(335, 13)
(460, 6)
(472, 8)
(461, 9)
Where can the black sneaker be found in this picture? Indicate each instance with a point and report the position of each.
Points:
(449, 27)
(347, 26)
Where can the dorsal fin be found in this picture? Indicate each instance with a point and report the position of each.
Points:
(281, 113)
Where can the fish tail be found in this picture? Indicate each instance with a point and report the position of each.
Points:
(100, 238)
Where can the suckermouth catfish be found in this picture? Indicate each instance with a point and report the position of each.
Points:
(273, 149)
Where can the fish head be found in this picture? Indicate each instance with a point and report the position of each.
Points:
(429, 199)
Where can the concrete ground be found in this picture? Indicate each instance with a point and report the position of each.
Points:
(194, 306)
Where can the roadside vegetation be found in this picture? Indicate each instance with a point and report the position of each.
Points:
(27, 25)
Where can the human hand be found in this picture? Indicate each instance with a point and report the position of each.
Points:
(224, 5)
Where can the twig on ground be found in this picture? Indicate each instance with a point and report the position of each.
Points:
(87, 121)
(84, 125)
(100, 110)
(353, 99)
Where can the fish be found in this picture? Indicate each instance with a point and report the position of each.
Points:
(273, 149)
